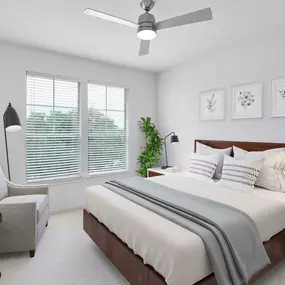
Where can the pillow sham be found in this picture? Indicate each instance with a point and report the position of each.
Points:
(241, 153)
(272, 172)
(240, 173)
(202, 167)
(204, 149)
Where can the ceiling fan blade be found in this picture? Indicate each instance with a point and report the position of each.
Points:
(110, 18)
(190, 18)
(144, 48)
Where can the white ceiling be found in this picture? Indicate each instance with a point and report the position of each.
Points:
(61, 26)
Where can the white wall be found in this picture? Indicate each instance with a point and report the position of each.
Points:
(16, 60)
(178, 95)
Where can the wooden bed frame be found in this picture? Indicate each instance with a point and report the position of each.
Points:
(132, 267)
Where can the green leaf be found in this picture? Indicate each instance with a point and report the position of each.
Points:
(152, 151)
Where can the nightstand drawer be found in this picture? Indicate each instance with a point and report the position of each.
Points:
(153, 173)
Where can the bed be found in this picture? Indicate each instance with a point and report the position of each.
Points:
(135, 240)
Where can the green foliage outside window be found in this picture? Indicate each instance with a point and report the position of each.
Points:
(54, 139)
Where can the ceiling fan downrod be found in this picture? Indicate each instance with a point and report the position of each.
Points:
(147, 5)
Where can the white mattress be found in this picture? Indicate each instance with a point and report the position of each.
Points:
(174, 252)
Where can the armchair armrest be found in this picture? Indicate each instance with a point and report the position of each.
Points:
(18, 190)
(19, 211)
(18, 227)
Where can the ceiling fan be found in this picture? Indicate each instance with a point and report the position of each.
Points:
(147, 27)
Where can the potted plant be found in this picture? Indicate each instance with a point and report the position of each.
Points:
(153, 146)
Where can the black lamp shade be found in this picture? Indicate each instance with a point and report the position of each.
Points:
(11, 120)
(174, 139)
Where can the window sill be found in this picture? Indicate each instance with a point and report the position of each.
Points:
(81, 178)
(106, 174)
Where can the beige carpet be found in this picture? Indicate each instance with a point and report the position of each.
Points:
(67, 256)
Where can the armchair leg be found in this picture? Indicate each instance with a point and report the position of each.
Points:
(47, 224)
(32, 253)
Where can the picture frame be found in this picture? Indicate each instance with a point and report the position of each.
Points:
(278, 97)
(212, 105)
(247, 101)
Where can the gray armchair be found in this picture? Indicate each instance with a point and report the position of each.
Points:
(25, 213)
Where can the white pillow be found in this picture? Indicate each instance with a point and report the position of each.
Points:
(204, 149)
(241, 153)
(240, 173)
(272, 172)
(202, 167)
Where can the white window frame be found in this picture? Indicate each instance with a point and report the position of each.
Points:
(56, 77)
(117, 172)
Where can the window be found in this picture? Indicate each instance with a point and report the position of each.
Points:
(52, 129)
(56, 137)
(107, 129)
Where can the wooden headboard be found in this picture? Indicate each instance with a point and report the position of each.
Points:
(249, 146)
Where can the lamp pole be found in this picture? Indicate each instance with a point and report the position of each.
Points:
(174, 139)
(165, 148)
(7, 155)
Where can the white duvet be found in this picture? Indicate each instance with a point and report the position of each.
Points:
(174, 252)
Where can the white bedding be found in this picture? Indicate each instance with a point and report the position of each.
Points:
(177, 254)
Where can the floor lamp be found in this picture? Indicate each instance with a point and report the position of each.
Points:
(12, 124)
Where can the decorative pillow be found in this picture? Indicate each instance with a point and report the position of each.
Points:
(202, 167)
(204, 149)
(240, 173)
(272, 172)
(3, 186)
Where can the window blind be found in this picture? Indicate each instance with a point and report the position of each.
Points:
(107, 129)
(52, 129)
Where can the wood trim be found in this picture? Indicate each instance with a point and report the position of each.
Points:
(136, 272)
(153, 173)
(249, 146)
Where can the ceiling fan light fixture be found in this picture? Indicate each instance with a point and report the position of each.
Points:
(146, 29)
(147, 34)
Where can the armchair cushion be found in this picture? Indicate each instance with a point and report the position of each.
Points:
(3, 185)
(40, 200)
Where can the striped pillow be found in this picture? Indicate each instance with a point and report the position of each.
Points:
(240, 173)
(272, 173)
(204, 149)
(203, 167)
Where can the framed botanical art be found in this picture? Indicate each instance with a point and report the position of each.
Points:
(278, 98)
(212, 105)
(247, 101)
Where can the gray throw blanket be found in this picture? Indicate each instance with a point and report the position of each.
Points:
(230, 236)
